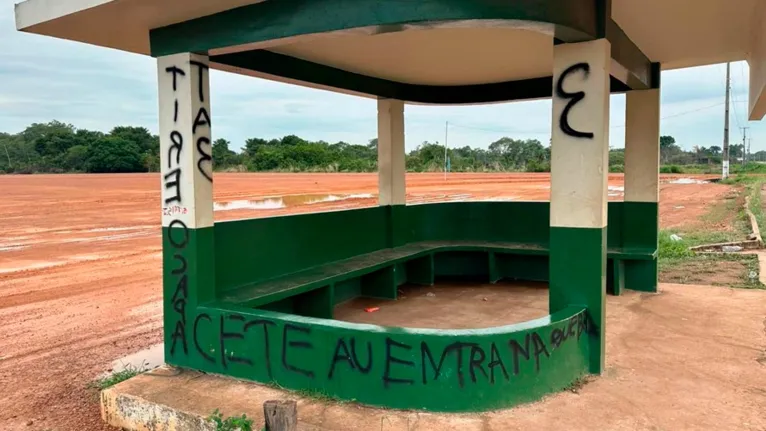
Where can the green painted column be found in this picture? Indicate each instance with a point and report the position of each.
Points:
(642, 163)
(579, 168)
(391, 165)
(187, 197)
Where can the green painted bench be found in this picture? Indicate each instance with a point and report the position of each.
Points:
(316, 290)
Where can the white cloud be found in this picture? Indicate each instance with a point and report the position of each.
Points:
(42, 79)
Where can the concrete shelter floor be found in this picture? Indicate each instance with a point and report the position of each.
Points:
(687, 358)
(452, 305)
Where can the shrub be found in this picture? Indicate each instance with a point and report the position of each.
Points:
(671, 169)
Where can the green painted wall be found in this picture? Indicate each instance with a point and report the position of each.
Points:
(393, 367)
(258, 249)
(578, 276)
(252, 250)
(188, 268)
(479, 369)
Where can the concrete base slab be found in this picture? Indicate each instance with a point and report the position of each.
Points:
(690, 357)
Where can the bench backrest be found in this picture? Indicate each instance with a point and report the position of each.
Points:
(248, 251)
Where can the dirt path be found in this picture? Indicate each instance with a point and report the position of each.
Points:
(80, 267)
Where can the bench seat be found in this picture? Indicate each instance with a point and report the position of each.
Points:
(276, 289)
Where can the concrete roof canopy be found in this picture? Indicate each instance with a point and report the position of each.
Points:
(431, 47)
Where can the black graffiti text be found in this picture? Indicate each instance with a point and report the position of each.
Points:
(574, 98)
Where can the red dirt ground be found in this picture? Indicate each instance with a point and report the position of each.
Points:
(80, 267)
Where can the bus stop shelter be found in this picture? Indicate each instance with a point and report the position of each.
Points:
(254, 298)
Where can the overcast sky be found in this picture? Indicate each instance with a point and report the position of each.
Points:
(42, 79)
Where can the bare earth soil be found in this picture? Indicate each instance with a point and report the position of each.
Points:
(689, 358)
(80, 265)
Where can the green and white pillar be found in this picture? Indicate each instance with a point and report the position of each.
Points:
(579, 169)
(391, 163)
(187, 198)
(642, 163)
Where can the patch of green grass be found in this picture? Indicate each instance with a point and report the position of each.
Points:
(756, 204)
(670, 249)
(680, 264)
(127, 372)
(703, 269)
(232, 423)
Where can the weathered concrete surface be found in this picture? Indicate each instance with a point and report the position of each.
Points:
(690, 357)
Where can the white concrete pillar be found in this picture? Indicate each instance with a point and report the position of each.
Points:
(579, 169)
(391, 164)
(185, 144)
(642, 146)
(640, 215)
(186, 198)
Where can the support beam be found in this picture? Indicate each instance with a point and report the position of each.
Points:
(757, 61)
(391, 152)
(642, 164)
(187, 197)
(266, 64)
(579, 167)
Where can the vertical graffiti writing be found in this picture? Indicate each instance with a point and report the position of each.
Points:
(201, 126)
(574, 98)
(178, 236)
(178, 231)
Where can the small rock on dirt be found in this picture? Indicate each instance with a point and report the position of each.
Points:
(430, 294)
(484, 299)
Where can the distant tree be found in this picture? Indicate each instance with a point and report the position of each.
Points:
(138, 135)
(223, 157)
(113, 154)
(253, 144)
(76, 158)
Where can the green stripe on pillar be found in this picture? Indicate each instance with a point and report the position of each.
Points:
(188, 279)
(578, 276)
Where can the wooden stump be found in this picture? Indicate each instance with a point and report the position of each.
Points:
(281, 415)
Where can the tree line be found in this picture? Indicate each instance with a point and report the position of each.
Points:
(57, 147)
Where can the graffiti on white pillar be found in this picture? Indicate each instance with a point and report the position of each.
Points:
(201, 126)
(574, 99)
(187, 168)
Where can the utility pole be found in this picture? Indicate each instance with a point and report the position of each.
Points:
(725, 173)
(744, 146)
(446, 135)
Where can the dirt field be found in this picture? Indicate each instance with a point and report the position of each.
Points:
(80, 265)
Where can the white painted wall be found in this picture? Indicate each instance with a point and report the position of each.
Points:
(185, 141)
(579, 165)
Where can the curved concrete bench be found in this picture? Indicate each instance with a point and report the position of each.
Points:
(384, 270)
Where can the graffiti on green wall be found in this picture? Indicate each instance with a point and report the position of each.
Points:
(368, 362)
